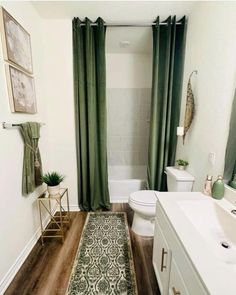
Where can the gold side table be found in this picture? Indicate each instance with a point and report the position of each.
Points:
(57, 221)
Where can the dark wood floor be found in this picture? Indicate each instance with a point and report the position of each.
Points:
(47, 269)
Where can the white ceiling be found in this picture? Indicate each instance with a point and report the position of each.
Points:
(113, 11)
(118, 12)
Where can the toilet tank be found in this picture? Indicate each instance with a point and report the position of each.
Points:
(179, 180)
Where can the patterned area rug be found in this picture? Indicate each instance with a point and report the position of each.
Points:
(104, 262)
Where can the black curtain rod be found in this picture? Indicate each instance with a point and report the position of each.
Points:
(131, 25)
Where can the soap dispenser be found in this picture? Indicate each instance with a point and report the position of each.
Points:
(208, 186)
(218, 188)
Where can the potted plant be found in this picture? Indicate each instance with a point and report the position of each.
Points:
(182, 164)
(53, 181)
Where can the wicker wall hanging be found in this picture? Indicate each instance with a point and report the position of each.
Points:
(190, 107)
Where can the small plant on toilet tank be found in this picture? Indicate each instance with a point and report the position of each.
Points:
(182, 164)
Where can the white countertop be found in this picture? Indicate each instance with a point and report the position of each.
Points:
(218, 276)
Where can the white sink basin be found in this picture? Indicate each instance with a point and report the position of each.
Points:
(216, 226)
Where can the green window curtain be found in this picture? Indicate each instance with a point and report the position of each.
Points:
(230, 154)
(32, 166)
(168, 61)
(90, 114)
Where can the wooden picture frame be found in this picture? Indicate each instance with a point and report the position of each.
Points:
(16, 42)
(21, 90)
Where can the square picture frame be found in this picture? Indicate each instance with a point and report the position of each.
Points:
(21, 90)
(16, 42)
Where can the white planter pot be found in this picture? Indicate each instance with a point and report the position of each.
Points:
(180, 167)
(54, 190)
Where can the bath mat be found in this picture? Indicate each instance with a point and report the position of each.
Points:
(104, 262)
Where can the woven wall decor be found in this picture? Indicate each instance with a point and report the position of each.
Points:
(190, 107)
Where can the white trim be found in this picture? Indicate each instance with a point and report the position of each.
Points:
(9, 276)
(119, 199)
(74, 208)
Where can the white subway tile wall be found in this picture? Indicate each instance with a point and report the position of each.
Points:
(128, 125)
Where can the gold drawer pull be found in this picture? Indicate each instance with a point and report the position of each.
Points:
(162, 259)
(175, 292)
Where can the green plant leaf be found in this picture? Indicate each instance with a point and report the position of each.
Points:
(53, 178)
(181, 162)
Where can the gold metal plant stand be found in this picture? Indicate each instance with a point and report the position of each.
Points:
(58, 220)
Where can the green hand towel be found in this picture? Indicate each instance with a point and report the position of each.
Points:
(32, 165)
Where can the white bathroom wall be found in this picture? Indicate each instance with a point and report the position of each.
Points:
(128, 125)
(128, 100)
(211, 47)
(128, 70)
(58, 92)
(19, 216)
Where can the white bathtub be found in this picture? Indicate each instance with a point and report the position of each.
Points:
(124, 180)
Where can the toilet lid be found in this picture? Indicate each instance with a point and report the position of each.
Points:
(144, 197)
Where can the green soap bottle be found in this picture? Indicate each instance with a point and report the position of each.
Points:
(233, 182)
(218, 188)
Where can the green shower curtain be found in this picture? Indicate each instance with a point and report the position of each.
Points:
(230, 153)
(90, 114)
(168, 61)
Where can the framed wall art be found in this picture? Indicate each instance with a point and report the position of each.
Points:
(16, 42)
(21, 90)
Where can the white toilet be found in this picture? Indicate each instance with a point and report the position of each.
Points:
(144, 202)
(144, 205)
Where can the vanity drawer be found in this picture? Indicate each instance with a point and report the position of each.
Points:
(176, 284)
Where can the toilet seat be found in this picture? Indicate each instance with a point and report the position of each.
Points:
(143, 204)
(144, 198)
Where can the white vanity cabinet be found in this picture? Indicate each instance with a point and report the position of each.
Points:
(174, 270)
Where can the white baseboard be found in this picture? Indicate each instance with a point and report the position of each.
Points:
(9, 276)
(119, 199)
(74, 208)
